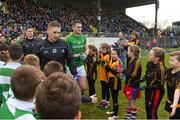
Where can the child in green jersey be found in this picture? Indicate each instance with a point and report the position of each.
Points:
(15, 52)
(24, 81)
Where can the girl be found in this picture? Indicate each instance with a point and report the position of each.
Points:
(91, 68)
(104, 57)
(155, 79)
(114, 68)
(133, 74)
(134, 39)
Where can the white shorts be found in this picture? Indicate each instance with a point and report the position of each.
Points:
(80, 71)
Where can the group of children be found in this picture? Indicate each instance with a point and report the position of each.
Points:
(110, 71)
(28, 93)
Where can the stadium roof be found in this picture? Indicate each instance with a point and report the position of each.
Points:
(118, 4)
(126, 3)
(176, 23)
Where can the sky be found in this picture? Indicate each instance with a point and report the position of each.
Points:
(168, 12)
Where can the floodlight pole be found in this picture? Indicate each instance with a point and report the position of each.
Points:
(99, 16)
(156, 16)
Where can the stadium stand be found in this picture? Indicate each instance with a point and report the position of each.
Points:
(18, 14)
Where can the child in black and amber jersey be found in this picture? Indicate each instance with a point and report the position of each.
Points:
(173, 86)
(91, 63)
(104, 57)
(114, 68)
(155, 79)
(133, 74)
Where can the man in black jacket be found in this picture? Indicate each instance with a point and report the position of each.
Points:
(29, 43)
(54, 48)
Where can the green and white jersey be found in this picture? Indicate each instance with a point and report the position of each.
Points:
(6, 72)
(77, 43)
(10, 93)
(17, 110)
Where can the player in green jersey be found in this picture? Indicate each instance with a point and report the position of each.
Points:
(77, 41)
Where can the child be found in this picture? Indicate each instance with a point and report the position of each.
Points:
(134, 39)
(31, 59)
(114, 68)
(24, 81)
(155, 79)
(52, 67)
(3, 54)
(59, 97)
(173, 86)
(133, 74)
(91, 68)
(15, 53)
(104, 57)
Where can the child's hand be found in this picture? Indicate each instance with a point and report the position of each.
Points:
(94, 99)
(94, 59)
(173, 109)
(103, 63)
(119, 68)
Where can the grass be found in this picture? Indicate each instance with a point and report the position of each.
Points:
(90, 111)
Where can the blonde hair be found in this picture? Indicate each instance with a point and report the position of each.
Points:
(135, 50)
(160, 53)
(177, 54)
(31, 59)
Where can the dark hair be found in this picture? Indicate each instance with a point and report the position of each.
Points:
(3, 52)
(54, 24)
(29, 26)
(177, 54)
(94, 49)
(59, 97)
(15, 52)
(4, 56)
(4, 47)
(24, 81)
(52, 67)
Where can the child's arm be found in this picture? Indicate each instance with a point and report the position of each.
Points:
(175, 102)
(108, 68)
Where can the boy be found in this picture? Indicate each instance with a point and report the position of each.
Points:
(52, 67)
(15, 53)
(31, 59)
(3, 54)
(173, 86)
(59, 97)
(24, 81)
